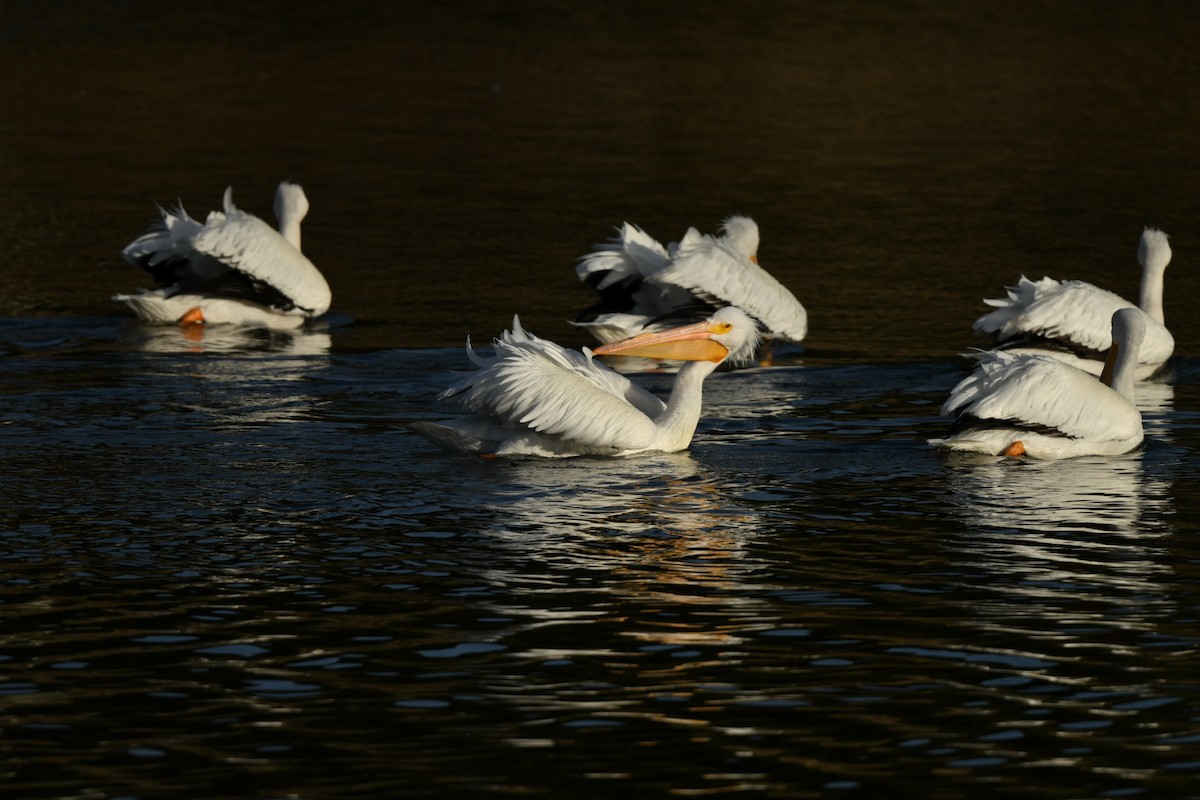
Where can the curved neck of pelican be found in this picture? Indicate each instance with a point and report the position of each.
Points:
(1151, 299)
(678, 421)
(1120, 369)
(289, 227)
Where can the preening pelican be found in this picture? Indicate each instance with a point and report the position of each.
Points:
(644, 286)
(537, 398)
(1070, 319)
(232, 269)
(1029, 404)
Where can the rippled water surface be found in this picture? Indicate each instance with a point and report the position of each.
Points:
(229, 569)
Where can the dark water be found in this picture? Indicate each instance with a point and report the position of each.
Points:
(227, 569)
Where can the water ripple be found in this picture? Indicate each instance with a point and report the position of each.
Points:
(263, 554)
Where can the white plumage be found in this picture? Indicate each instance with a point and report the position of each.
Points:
(644, 286)
(534, 397)
(1023, 403)
(1070, 320)
(232, 269)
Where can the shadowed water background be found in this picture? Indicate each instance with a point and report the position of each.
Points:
(228, 569)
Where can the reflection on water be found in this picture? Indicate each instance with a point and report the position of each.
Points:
(1073, 562)
(1093, 495)
(1086, 532)
(811, 579)
(656, 516)
(1156, 400)
(238, 377)
(232, 339)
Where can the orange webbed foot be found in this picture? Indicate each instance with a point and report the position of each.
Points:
(194, 316)
(1015, 449)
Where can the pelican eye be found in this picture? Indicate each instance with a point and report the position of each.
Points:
(721, 327)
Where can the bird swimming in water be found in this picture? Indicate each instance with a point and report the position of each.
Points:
(534, 397)
(231, 269)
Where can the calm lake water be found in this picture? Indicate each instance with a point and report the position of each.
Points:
(228, 569)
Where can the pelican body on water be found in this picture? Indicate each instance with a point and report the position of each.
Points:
(1071, 320)
(534, 397)
(644, 286)
(231, 269)
(1031, 404)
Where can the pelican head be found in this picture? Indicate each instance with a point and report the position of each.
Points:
(742, 234)
(291, 206)
(290, 202)
(728, 335)
(1128, 333)
(1154, 252)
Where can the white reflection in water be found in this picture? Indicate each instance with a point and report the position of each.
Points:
(1156, 401)
(1073, 541)
(229, 339)
(237, 376)
(652, 533)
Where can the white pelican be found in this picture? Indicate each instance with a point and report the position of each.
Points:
(1029, 404)
(537, 398)
(644, 286)
(234, 268)
(1070, 319)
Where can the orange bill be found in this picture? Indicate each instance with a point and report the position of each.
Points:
(687, 343)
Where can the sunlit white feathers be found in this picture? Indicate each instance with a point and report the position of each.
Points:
(233, 268)
(1052, 409)
(533, 397)
(1071, 320)
(644, 286)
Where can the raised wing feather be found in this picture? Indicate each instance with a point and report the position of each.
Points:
(1074, 311)
(629, 255)
(165, 250)
(1034, 390)
(247, 244)
(712, 268)
(549, 389)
